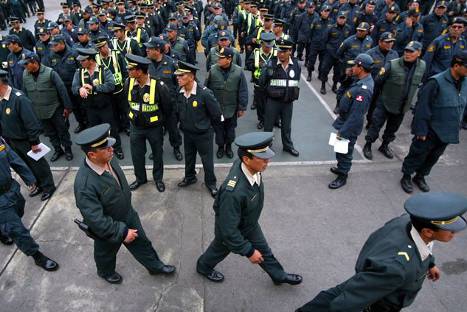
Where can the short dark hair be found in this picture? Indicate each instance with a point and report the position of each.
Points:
(420, 224)
(243, 152)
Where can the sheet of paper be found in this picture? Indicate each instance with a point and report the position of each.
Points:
(36, 156)
(341, 146)
(332, 139)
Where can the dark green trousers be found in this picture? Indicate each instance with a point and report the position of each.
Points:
(40, 168)
(217, 252)
(201, 143)
(105, 253)
(138, 137)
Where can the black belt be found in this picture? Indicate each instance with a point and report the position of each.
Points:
(5, 188)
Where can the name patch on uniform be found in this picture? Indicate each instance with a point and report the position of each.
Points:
(359, 98)
(195, 103)
(146, 97)
(166, 71)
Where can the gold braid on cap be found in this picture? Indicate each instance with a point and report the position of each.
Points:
(259, 150)
(99, 142)
(445, 222)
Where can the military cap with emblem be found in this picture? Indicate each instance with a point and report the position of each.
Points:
(88, 10)
(136, 61)
(253, 5)
(40, 11)
(28, 57)
(171, 27)
(12, 39)
(342, 14)
(86, 53)
(223, 34)
(216, 5)
(441, 4)
(140, 15)
(414, 46)
(93, 20)
(325, 8)
(129, 19)
(184, 67)
(268, 16)
(100, 41)
(279, 22)
(442, 209)
(52, 25)
(263, 9)
(82, 31)
(363, 60)
(13, 19)
(57, 39)
(414, 12)
(387, 37)
(372, 2)
(41, 31)
(95, 137)
(256, 143)
(64, 4)
(120, 2)
(102, 13)
(225, 52)
(267, 38)
(459, 20)
(117, 26)
(284, 44)
(155, 43)
(363, 26)
(393, 9)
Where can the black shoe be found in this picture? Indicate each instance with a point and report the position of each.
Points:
(292, 151)
(113, 278)
(79, 128)
(166, 269)
(367, 151)
(44, 262)
(160, 186)
(406, 184)
(151, 156)
(278, 124)
(292, 279)
(6, 240)
(185, 182)
(119, 154)
(323, 88)
(464, 125)
(253, 106)
(336, 110)
(133, 186)
(127, 131)
(335, 170)
(334, 87)
(228, 151)
(386, 151)
(68, 154)
(339, 182)
(220, 152)
(368, 125)
(35, 192)
(260, 125)
(214, 276)
(57, 154)
(47, 195)
(421, 183)
(212, 190)
(178, 155)
(300, 58)
(308, 78)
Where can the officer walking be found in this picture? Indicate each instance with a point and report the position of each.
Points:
(17, 53)
(228, 83)
(237, 208)
(407, 31)
(12, 230)
(110, 215)
(280, 78)
(50, 102)
(434, 24)
(351, 112)
(95, 84)
(198, 111)
(149, 101)
(28, 41)
(436, 123)
(396, 258)
(21, 128)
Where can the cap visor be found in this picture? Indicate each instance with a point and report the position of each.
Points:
(389, 40)
(457, 226)
(410, 49)
(269, 153)
(179, 72)
(82, 57)
(23, 62)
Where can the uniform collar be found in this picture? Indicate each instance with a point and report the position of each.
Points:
(193, 90)
(252, 178)
(97, 169)
(425, 250)
(6, 97)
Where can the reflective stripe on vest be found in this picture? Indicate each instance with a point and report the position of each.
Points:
(260, 30)
(145, 108)
(93, 82)
(118, 73)
(283, 83)
(126, 46)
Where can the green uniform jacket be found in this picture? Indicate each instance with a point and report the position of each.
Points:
(104, 204)
(238, 207)
(389, 268)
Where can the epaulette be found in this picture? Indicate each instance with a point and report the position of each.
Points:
(18, 93)
(231, 184)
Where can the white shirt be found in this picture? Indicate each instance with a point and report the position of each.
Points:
(424, 249)
(252, 178)
(7, 94)
(193, 90)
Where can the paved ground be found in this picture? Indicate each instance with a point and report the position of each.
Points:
(312, 230)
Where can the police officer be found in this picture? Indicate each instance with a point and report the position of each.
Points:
(95, 85)
(223, 41)
(83, 39)
(396, 258)
(192, 35)
(258, 59)
(137, 33)
(304, 29)
(110, 215)
(122, 42)
(436, 123)
(439, 53)
(114, 61)
(43, 47)
(237, 208)
(12, 230)
(17, 53)
(198, 111)
(407, 31)
(178, 45)
(150, 103)
(434, 24)
(28, 41)
(41, 22)
(50, 102)
(351, 113)
(395, 87)
(21, 128)
(386, 24)
(228, 83)
(280, 78)
(162, 68)
(293, 20)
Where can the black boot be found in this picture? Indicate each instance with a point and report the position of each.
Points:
(421, 183)
(220, 152)
(386, 151)
(367, 151)
(334, 87)
(339, 182)
(228, 151)
(323, 88)
(406, 183)
(308, 78)
(68, 154)
(57, 154)
(44, 262)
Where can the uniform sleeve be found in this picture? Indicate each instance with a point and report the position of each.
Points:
(381, 77)
(213, 107)
(341, 50)
(109, 83)
(28, 116)
(61, 90)
(365, 288)
(122, 64)
(76, 84)
(360, 103)
(20, 167)
(229, 216)
(165, 99)
(93, 213)
(428, 57)
(250, 62)
(242, 93)
(422, 114)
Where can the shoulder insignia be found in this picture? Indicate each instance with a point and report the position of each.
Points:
(18, 93)
(382, 71)
(231, 184)
(431, 48)
(403, 253)
(364, 87)
(348, 94)
(359, 98)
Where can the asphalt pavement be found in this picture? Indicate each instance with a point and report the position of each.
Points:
(312, 230)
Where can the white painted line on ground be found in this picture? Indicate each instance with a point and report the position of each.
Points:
(334, 116)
